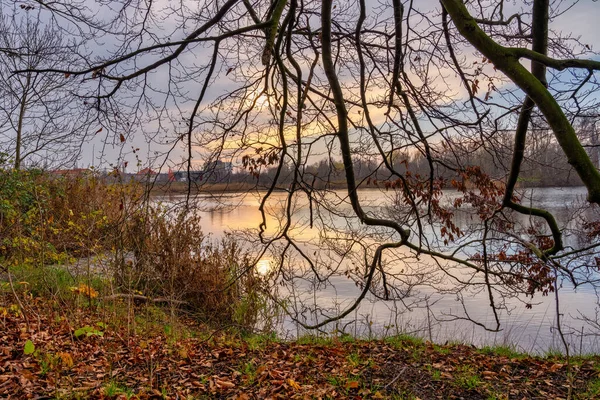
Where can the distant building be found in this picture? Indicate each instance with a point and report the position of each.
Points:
(218, 171)
(149, 175)
(146, 171)
(182, 176)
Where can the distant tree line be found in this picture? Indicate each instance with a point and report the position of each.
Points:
(544, 164)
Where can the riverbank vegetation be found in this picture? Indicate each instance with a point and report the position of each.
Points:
(117, 244)
(104, 295)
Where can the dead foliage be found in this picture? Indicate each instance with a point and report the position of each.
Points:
(135, 247)
(103, 362)
(173, 259)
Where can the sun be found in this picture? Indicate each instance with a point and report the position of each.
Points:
(262, 101)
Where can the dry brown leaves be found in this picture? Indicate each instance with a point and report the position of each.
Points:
(156, 366)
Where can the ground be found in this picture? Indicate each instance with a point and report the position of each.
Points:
(49, 349)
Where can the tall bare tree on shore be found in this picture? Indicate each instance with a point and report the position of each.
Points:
(42, 122)
(284, 82)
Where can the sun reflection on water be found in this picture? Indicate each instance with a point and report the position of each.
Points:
(263, 266)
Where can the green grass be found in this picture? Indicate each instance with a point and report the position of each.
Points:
(469, 382)
(593, 390)
(436, 374)
(248, 371)
(441, 349)
(553, 353)
(334, 381)
(345, 338)
(152, 319)
(355, 359)
(502, 351)
(467, 378)
(403, 340)
(113, 389)
(50, 281)
(46, 363)
(259, 342)
(315, 340)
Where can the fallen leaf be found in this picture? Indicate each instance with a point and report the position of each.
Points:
(223, 384)
(66, 359)
(183, 353)
(352, 385)
(555, 367)
(29, 347)
(293, 384)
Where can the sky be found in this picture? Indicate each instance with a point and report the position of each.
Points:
(106, 149)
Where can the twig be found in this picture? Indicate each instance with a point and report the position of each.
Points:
(146, 299)
(562, 337)
(396, 378)
(14, 292)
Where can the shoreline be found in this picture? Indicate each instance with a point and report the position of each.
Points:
(178, 188)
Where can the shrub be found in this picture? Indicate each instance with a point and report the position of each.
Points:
(172, 259)
(48, 220)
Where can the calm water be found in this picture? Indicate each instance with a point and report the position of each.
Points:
(425, 310)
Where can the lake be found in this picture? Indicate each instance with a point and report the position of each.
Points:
(428, 303)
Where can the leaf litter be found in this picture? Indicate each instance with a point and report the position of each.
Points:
(50, 361)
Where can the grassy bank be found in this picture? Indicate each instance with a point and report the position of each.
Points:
(107, 350)
(61, 231)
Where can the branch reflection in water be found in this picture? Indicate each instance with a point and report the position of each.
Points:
(424, 310)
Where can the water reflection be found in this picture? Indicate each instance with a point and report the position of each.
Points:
(263, 266)
(423, 308)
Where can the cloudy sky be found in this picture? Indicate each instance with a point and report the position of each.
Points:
(580, 19)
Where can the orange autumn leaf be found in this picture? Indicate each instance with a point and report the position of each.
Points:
(293, 384)
(352, 385)
(85, 290)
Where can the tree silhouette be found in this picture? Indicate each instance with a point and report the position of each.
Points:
(42, 122)
(283, 84)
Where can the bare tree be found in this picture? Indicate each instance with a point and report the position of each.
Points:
(286, 82)
(41, 120)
